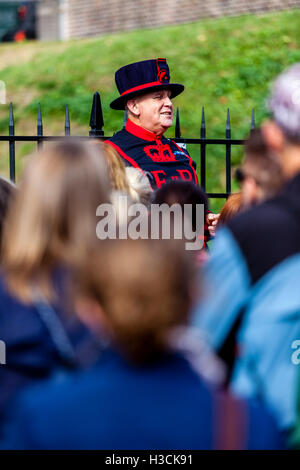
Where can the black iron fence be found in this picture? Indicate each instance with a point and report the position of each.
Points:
(96, 131)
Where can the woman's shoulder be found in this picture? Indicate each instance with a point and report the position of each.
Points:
(17, 318)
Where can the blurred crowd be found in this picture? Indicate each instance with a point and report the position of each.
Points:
(136, 342)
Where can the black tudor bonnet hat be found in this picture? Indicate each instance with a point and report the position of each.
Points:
(144, 76)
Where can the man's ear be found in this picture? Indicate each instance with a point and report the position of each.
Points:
(273, 136)
(133, 107)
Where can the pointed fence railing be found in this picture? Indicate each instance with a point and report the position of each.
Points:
(96, 131)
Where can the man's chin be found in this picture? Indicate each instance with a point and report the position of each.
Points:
(166, 124)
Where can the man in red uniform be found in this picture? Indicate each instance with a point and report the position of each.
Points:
(146, 93)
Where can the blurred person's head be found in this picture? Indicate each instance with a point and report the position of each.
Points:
(261, 174)
(232, 206)
(52, 220)
(181, 192)
(282, 133)
(144, 292)
(7, 192)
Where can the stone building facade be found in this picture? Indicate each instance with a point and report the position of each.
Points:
(66, 19)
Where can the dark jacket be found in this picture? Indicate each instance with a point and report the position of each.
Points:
(252, 289)
(33, 350)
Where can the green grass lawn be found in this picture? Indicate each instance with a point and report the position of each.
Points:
(223, 63)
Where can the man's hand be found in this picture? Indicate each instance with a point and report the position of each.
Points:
(212, 220)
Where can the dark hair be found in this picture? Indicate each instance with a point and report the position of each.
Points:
(262, 164)
(256, 144)
(181, 192)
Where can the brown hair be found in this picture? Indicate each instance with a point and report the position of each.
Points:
(52, 220)
(144, 291)
(232, 206)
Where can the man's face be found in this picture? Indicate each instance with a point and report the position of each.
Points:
(155, 111)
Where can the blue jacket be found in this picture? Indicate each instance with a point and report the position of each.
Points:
(31, 351)
(117, 405)
(252, 285)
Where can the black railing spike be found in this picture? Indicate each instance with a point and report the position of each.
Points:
(125, 118)
(67, 122)
(253, 120)
(228, 154)
(39, 121)
(96, 127)
(228, 129)
(203, 152)
(96, 120)
(11, 123)
(177, 125)
(203, 127)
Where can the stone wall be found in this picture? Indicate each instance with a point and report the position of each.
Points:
(95, 17)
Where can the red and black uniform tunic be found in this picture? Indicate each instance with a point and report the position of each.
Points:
(159, 158)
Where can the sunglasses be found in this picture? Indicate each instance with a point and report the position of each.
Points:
(240, 175)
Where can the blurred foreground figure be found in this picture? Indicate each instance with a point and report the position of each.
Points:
(251, 315)
(261, 177)
(151, 388)
(7, 192)
(50, 228)
(182, 193)
(261, 174)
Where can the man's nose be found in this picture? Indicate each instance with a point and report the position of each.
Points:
(168, 102)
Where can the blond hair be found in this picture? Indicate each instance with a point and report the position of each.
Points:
(126, 179)
(115, 167)
(52, 220)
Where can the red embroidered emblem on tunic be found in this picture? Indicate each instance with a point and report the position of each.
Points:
(160, 153)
